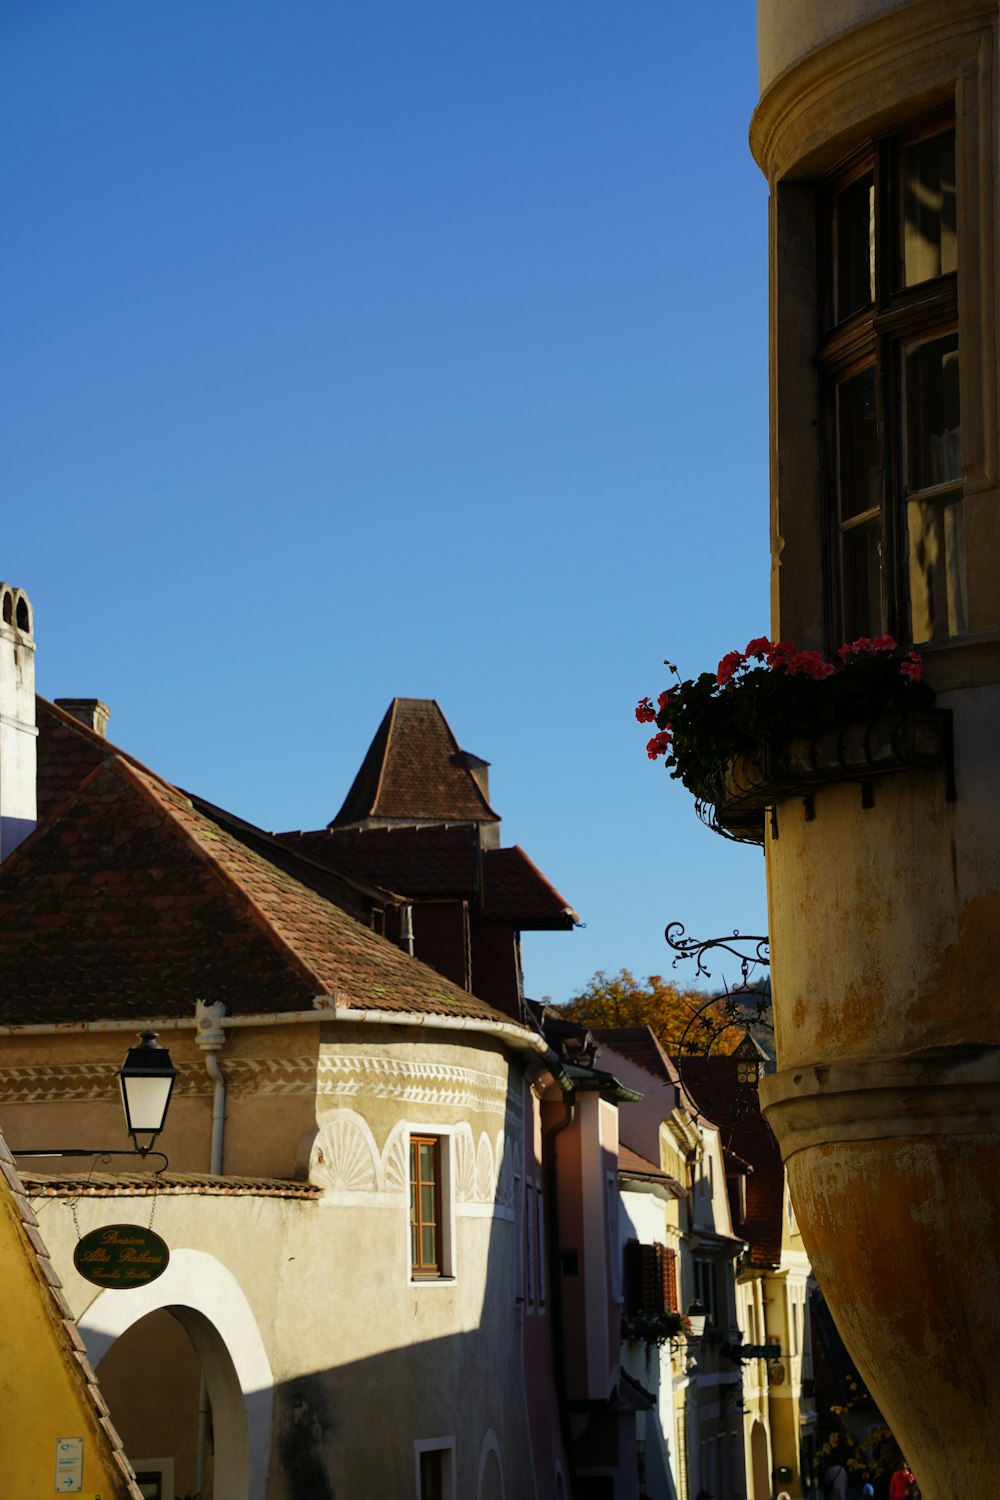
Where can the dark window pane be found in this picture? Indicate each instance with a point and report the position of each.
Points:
(414, 1245)
(432, 1475)
(857, 445)
(855, 219)
(428, 1246)
(927, 183)
(933, 431)
(427, 1152)
(937, 568)
(862, 564)
(427, 1214)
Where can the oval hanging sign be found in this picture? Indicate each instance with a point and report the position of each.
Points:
(121, 1256)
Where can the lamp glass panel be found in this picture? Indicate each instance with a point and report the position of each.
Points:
(146, 1101)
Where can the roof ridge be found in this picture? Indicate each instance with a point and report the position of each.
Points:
(543, 878)
(258, 916)
(42, 826)
(100, 741)
(388, 720)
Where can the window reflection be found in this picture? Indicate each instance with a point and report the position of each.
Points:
(927, 179)
(933, 430)
(862, 580)
(855, 213)
(857, 444)
(937, 568)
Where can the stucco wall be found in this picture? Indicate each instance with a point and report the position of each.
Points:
(788, 30)
(328, 1287)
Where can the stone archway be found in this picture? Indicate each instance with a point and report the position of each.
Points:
(208, 1302)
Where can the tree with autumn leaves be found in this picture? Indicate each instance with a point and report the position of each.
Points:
(672, 1013)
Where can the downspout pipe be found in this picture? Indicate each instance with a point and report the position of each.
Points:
(555, 1272)
(211, 1038)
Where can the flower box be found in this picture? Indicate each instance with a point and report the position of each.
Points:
(775, 722)
(859, 751)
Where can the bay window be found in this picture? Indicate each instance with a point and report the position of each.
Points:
(889, 362)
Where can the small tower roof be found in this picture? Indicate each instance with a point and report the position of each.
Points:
(415, 772)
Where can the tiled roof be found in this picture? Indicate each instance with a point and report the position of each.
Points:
(131, 901)
(439, 861)
(515, 888)
(640, 1045)
(67, 753)
(169, 1184)
(74, 1349)
(736, 1111)
(633, 1166)
(414, 771)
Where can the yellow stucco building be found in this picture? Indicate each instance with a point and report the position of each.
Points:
(877, 129)
(56, 1432)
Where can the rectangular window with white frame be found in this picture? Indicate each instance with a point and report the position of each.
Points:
(435, 1468)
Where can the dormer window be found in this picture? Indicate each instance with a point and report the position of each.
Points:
(889, 359)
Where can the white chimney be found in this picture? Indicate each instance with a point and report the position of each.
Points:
(18, 808)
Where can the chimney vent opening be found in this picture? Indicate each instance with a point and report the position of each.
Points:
(23, 614)
(8, 607)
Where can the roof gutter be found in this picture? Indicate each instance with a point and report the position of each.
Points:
(517, 1038)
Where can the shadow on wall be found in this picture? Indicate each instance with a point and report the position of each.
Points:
(354, 1430)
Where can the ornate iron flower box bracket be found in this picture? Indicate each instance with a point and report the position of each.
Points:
(859, 751)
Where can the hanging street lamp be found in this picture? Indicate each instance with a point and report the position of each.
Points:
(146, 1081)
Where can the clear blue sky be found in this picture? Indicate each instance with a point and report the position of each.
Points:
(354, 348)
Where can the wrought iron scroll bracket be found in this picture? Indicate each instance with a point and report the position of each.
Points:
(751, 951)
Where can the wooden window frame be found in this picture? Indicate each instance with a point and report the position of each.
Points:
(877, 336)
(419, 1269)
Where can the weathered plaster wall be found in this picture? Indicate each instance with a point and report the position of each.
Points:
(887, 920)
(328, 1283)
(788, 30)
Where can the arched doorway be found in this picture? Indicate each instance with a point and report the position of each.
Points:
(200, 1301)
(151, 1378)
(760, 1462)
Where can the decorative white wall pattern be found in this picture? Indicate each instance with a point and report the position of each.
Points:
(347, 1163)
(412, 1082)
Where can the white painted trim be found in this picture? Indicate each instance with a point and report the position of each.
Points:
(518, 1038)
(433, 1445)
(209, 1302)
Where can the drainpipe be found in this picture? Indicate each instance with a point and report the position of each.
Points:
(211, 1039)
(555, 1277)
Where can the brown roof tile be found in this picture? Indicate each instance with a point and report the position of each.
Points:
(736, 1111)
(171, 1184)
(437, 862)
(131, 901)
(640, 1045)
(414, 771)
